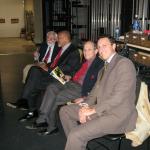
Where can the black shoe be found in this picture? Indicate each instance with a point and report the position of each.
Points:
(35, 125)
(28, 116)
(44, 132)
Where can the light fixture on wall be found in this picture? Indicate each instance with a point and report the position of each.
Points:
(23, 3)
(2, 20)
(14, 20)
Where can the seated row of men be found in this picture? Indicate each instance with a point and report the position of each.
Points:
(101, 86)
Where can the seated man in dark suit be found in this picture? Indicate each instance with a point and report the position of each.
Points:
(42, 55)
(46, 55)
(79, 86)
(110, 106)
(67, 59)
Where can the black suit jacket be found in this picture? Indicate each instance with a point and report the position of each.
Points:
(91, 76)
(69, 61)
(43, 49)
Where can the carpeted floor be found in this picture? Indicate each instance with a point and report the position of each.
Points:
(13, 135)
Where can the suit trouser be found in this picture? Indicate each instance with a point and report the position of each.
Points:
(79, 134)
(37, 81)
(57, 94)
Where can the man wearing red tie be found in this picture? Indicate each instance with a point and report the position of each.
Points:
(44, 54)
(67, 58)
(76, 88)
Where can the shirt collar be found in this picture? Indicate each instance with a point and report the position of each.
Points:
(65, 47)
(110, 58)
(51, 45)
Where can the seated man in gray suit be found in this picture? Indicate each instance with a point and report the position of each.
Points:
(77, 87)
(110, 106)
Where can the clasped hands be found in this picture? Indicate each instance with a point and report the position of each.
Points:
(84, 113)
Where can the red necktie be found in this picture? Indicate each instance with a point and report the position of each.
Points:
(54, 64)
(81, 72)
(47, 55)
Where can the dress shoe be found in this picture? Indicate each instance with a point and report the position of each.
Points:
(35, 125)
(28, 116)
(44, 132)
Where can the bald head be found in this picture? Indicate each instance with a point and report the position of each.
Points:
(89, 50)
(64, 38)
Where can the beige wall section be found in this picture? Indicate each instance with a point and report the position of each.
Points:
(38, 21)
(28, 5)
(11, 9)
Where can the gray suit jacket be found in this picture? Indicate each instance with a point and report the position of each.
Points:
(113, 96)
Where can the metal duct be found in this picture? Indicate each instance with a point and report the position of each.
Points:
(105, 17)
(144, 15)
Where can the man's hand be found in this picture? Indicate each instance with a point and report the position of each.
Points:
(78, 100)
(84, 114)
(67, 78)
(36, 53)
(43, 66)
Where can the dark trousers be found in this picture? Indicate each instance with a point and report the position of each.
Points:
(37, 81)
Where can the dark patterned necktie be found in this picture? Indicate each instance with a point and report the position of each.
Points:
(47, 56)
(104, 69)
(55, 62)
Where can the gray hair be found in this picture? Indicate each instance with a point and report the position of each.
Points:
(54, 34)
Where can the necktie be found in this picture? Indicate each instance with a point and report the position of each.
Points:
(54, 64)
(81, 72)
(47, 55)
(104, 69)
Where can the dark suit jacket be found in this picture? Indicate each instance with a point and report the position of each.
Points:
(69, 61)
(43, 49)
(91, 76)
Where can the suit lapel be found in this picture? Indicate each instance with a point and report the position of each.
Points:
(65, 54)
(111, 65)
(108, 70)
(55, 52)
(102, 82)
(91, 68)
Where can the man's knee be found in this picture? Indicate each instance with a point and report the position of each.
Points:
(34, 71)
(62, 111)
(75, 135)
(59, 99)
(48, 87)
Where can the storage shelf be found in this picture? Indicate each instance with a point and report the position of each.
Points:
(59, 20)
(80, 6)
(79, 26)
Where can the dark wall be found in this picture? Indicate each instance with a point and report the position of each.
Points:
(47, 14)
(126, 16)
